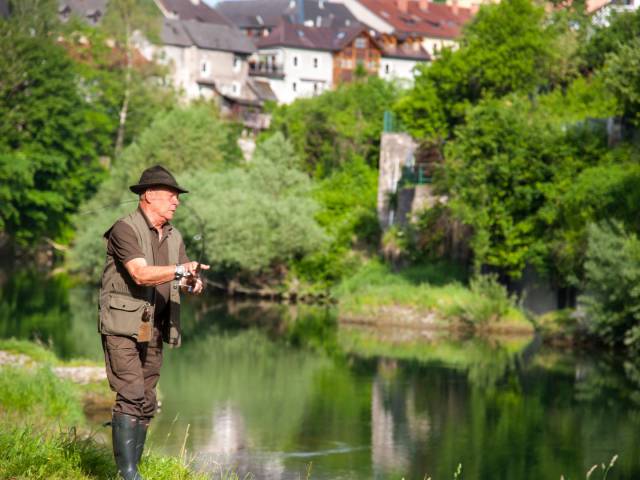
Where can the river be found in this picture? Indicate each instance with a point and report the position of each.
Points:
(289, 392)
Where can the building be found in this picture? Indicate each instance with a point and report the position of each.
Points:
(300, 61)
(258, 18)
(196, 10)
(433, 25)
(204, 59)
(601, 10)
(91, 11)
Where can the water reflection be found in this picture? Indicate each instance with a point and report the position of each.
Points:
(272, 389)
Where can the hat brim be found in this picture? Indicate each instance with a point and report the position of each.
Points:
(141, 187)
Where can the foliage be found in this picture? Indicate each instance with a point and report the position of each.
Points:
(347, 212)
(331, 129)
(48, 149)
(622, 76)
(607, 38)
(612, 279)
(505, 48)
(492, 301)
(434, 289)
(263, 215)
(102, 71)
(183, 139)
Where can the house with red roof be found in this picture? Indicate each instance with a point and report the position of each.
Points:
(301, 61)
(433, 25)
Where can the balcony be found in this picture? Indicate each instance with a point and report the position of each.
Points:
(266, 70)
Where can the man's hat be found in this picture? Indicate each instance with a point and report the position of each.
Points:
(156, 176)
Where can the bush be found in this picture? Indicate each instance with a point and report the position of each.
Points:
(612, 286)
(490, 301)
(253, 218)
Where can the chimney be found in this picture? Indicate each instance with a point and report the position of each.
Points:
(455, 7)
(403, 6)
(300, 12)
(424, 5)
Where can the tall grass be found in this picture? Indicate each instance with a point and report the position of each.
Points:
(43, 431)
(436, 288)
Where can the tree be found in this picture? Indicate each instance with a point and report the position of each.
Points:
(49, 138)
(122, 19)
(184, 139)
(612, 278)
(263, 215)
(622, 76)
(331, 129)
(506, 48)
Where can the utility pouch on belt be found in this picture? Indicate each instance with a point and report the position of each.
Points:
(144, 331)
(125, 315)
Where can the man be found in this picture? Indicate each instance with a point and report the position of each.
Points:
(146, 267)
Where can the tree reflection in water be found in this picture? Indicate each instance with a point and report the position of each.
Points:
(268, 388)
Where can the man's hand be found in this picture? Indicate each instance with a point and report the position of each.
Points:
(191, 268)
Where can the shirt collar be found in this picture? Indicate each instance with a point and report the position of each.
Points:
(166, 227)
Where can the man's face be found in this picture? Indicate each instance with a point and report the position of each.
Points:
(163, 201)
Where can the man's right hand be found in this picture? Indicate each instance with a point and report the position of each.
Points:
(193, 268)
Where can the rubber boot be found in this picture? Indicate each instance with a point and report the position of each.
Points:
(141, 436)
(123, 430)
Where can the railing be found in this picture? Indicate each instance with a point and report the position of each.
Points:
(266, 70)
(416, 175)
(391, 123)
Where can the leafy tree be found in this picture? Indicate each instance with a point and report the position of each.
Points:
(184, 139)
(612, 278)
(347, 212)
(506, 48)
(603, 40)
(122, 19)
(263, 215)
(49, 138)
(103, 75)
(622, 76)
(329, 130)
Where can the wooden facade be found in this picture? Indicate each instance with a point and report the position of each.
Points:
(363, 51)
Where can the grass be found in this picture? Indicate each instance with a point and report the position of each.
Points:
(437, 289)
(41, 353)
(43, 431)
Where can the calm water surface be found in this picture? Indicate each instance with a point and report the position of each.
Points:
(280, 391)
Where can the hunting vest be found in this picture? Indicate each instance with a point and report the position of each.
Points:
(122, 302)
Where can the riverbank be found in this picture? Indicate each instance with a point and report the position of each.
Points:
(429, 297)
(44, 429)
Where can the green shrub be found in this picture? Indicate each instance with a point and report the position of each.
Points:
(489, 302)
(612, 285)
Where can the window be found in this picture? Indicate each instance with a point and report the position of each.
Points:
(237, 63)
(361, 42)
(204, 68)
(315, 88)
(346, 63)
(315, 62)
(294, 86)
(235, 88)
(386, 68)
(295, 61)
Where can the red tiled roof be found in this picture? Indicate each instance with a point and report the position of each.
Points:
(314, 38)
(438, 20)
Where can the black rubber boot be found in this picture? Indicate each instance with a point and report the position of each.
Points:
(124, 430)
(141, 436)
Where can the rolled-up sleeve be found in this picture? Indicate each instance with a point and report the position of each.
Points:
(123, 243)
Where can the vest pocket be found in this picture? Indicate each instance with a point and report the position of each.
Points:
(122, 315)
